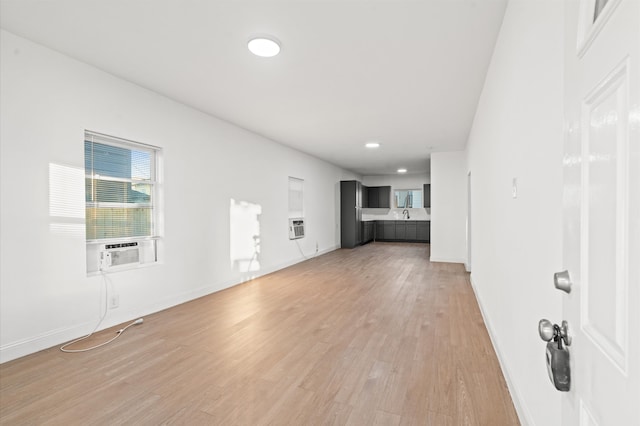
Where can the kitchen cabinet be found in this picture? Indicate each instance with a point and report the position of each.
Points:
(411, 233)
(378, 197)
(367, 231)
(372, 198)
(365, 197)
(401, 230)
(384, 197)
(389, 229)
(379, 230)
(423, 231)
(350, 213)
(426, 195)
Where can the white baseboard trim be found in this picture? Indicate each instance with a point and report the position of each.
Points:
(524, 415)
(446, 259)
(49, 339)
(42, 341)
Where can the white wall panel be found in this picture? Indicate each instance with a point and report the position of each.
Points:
(516, 242)
(448, 207)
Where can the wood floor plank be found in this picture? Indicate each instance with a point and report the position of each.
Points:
(374, 335)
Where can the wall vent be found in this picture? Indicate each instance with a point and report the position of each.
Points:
(119, 254)
(296, 228)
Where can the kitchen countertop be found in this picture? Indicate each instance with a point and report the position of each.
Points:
(398, 220)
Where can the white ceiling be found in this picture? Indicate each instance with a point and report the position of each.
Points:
(405, 73)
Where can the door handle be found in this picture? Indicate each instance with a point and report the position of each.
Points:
(562, 281)
(549, 331)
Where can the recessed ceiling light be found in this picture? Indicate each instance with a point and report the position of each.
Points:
(402, 170)
(372, 145)
(265, 47)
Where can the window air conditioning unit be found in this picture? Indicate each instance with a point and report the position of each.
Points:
(296, 228)
(119, 254)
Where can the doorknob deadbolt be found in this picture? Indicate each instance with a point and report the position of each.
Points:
(558, 333)
(562, 281)
(557, 357)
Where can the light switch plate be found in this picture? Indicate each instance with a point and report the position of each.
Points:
(514, 188)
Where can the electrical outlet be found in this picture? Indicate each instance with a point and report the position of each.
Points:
(114, 301)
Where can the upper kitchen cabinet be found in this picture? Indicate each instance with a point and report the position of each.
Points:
(384, 197)
(426, 195)
(379, 197)
(373, 192)
(365, 196)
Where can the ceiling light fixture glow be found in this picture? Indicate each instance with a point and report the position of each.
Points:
(372, 145)
(402, 170)
(265, 47)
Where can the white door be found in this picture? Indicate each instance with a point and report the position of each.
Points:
(601, 211)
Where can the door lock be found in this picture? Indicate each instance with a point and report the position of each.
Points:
(557, 356)
(562, 281)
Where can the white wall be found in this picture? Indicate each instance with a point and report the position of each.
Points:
(516, 243)
(448, 206)
(48, 100)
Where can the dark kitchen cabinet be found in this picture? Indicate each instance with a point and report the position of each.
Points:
(401, 230)
(372, 196)
(365, 196)
(384, 197)
(423, 231)
(411, 233)
(426, 195)
(378, 197)
(379, 230)
(367, 231)
(389, 229)
(350, 213)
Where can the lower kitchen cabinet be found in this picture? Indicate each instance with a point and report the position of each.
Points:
(412, 228)
(379, 230)
(415, 231)
(368, 229)
(423, 231)
(389, 230)
(403, 230)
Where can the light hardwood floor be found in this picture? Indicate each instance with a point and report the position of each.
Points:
(375, 335)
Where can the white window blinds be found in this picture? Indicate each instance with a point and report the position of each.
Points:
(120, 180)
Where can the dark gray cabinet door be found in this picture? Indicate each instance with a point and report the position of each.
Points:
(373, 192)
(379, 230)
(426, 195)
(367, 232)
(422, 231)
(384, 197)
(389, 230)
(365, 196)
(401, 230)
(412, 228)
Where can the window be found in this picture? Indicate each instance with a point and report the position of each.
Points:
(120, 192)
(295, 197)
(408, 198)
